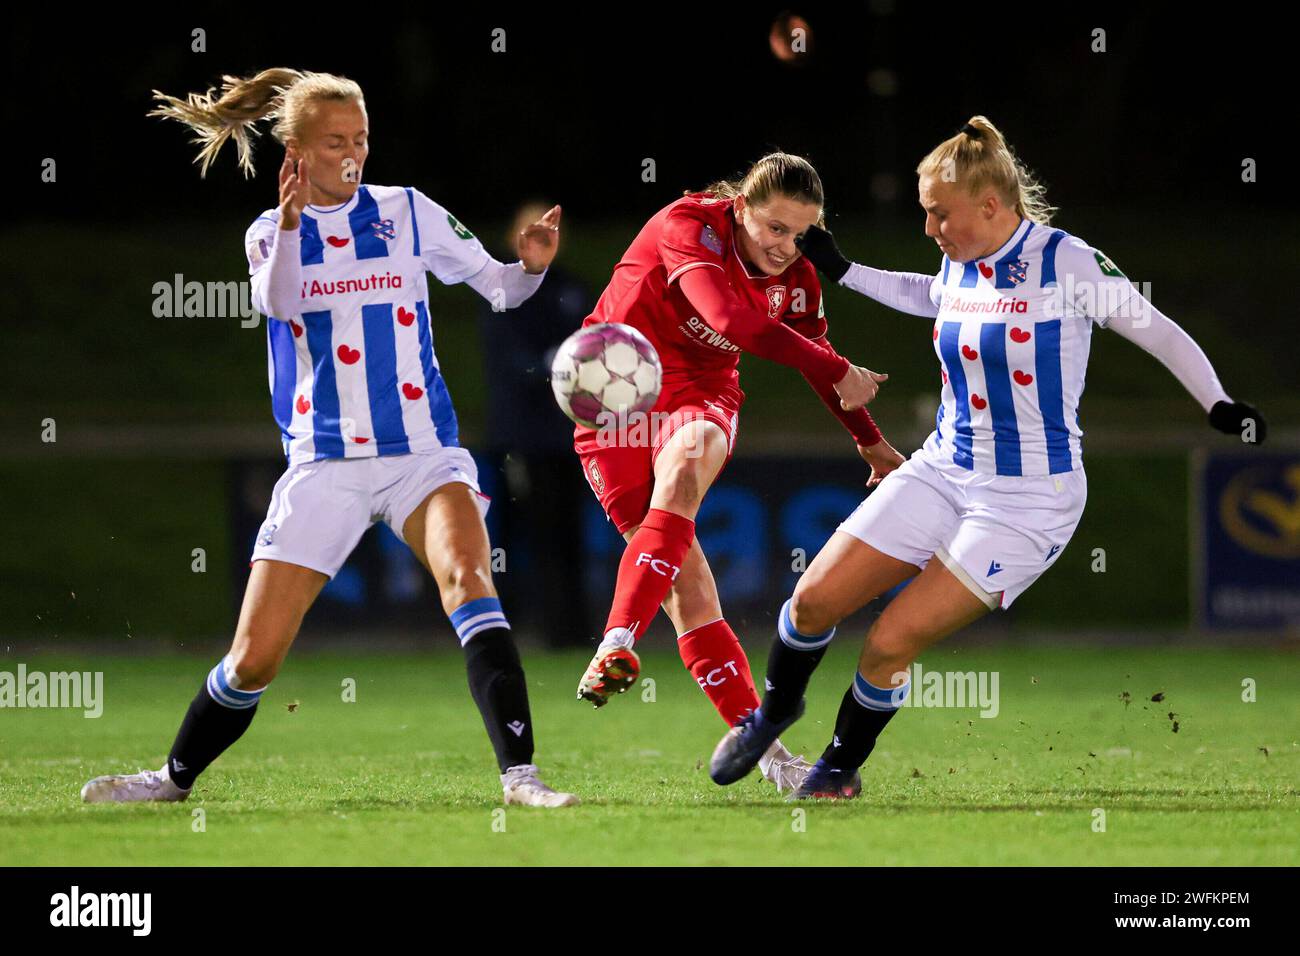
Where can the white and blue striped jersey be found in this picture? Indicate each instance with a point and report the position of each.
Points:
(352, 371)
(1012, 337)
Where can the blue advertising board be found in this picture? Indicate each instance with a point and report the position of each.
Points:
(1249, 540)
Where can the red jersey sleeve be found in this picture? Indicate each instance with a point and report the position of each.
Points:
(812, 324)
(688, 240)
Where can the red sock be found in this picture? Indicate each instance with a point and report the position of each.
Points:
(650, 564)
(719, 665)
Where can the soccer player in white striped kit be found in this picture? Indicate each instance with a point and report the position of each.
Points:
(365, 417)
(996, 491)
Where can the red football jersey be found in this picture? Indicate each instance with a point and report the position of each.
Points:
(698, 232)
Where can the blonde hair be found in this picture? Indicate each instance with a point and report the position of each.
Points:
(775, 174)
(283, 95)
(985, 159)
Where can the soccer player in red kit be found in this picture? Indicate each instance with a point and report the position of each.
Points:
(709, 276)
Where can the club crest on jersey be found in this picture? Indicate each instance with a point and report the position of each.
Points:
(267, 535)
(384, 229)
(1017, 271)
(775, 299)
(709, 240)
(597, 480)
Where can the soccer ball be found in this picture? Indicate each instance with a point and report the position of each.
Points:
(605, 370)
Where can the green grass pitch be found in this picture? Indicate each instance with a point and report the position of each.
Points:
(404, 774)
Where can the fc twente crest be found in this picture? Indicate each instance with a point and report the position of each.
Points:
(775, 299)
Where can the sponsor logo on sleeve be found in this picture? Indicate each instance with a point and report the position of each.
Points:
(1107, 267)
(458, 227)
(709, 240)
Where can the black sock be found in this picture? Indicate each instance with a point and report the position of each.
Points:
(209, 728)
(496, 679)
(856, 730)
(790, 666)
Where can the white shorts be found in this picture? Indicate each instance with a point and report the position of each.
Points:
(1002, 531)
(320, 509)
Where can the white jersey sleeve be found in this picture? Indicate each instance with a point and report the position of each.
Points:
(1098, 289)
(449, 250)
(911, 292)
(454, 254)
(274, 266)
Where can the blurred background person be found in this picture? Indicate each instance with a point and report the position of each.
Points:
(529, 446)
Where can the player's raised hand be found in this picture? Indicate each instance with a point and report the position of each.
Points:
(295, 189)
(882, 457)
(538, 243)
(858, 386)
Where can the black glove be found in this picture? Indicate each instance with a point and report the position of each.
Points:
(1231, 417)
(819, 246)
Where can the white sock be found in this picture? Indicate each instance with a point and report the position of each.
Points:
(617, 637)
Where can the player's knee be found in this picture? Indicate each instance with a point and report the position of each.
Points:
(254, 669)
(465, 580)
(891, 643)
(679, 487)
(810, 612)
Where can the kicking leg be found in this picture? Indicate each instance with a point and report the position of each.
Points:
(655, 555)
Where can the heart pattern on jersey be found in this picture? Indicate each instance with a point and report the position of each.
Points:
(1022, 378)
(361, 441)
(348, 356)
(1019, 335)
(411, 391)
(943, 374)
(986, 271)
(405, 316)
(338, 242)
(297, 329)
(978, 402)
(303, 405)
(936, 335)
(969, 353)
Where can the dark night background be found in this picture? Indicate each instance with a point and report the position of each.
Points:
(1141, 146)
(1162, 119)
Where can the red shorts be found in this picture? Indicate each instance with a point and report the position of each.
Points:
(619, 465)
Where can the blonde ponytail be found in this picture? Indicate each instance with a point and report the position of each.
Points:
(979, 157)
(280, 94)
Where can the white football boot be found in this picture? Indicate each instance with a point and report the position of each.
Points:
(613, 670)
(783, 768)
(131, 787)
(522, 787)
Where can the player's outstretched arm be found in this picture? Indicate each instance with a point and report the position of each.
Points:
(708, 292)
(867, 437)
(1107, 295)
(908, 292)
(454, 254)
(509, 285)
(1146, 326)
